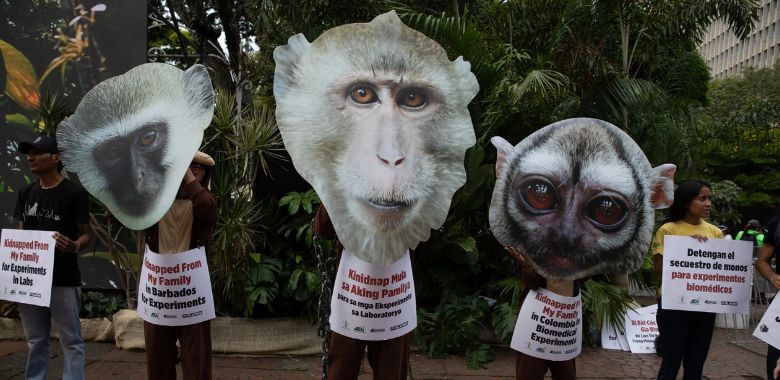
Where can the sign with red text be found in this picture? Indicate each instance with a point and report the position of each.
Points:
(768, 328)
(26, 266)
(711, 276)
(549, 326)
(371, 301)
(642, 329)
(175, 289)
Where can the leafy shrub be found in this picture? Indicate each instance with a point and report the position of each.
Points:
(98, 305)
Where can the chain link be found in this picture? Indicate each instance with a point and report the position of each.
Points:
(325, 266)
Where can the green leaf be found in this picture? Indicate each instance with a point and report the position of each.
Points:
(467, 243)
(21, 83)
(294, 205)
(20, 120)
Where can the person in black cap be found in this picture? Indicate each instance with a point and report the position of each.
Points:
(54, 203)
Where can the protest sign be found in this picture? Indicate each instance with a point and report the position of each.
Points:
(26, 268)
(373, 302)
(642, 329)
(549, 326)
(768, 328)
(612, 338)
(711, 276)
(175, 289)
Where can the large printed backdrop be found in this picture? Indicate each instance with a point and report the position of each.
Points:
(374, 117)
(577, 197)
(33, 39)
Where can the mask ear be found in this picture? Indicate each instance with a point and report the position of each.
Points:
(503, 150)
(662, 194)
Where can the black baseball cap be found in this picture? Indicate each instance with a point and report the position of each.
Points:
(43, 143)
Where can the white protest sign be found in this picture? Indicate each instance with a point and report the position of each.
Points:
(549, 326)
(612, 338)
(175, 289)
(768, 328)
(371, 301)
(642, 329)
(711, 276)
(26, 266)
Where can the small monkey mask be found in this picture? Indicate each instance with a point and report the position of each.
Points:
(375, 118)
(577, 197)
(133, 136)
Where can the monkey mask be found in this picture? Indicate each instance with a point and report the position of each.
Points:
(577, 197)
(133, 136)
(375, 118)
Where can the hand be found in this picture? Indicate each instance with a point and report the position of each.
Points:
(699, 238)
(64, 243)
(188, 177)
(775, 280)
(776, 372)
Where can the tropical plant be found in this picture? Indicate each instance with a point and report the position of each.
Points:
(241, 140)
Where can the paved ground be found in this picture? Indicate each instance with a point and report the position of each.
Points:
(726, 361)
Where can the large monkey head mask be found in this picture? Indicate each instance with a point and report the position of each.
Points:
(133, 136)
(375, 118)
(577, 198)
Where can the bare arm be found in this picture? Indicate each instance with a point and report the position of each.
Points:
(65, 244)
(658, 266)
(765, 254)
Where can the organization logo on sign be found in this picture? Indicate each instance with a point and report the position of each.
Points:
(729, 303)
(396, 327)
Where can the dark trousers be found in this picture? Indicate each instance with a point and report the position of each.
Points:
(771, 361)
(161, 351)
(389, 359)
(685, 338)
(530, 368)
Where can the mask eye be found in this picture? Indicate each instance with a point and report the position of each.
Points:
(109, 151)
(606, 212)
(362, 94)
(147, 138)
(412, 98)
(538, 196)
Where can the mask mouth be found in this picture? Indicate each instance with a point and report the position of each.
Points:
(388, 205)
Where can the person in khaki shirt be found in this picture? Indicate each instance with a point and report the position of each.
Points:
(188, 224)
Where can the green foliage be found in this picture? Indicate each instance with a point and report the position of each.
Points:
(97, 305)
(295, 200)
(738, 139)
(454, 327)
(263, 282)
(603, 301)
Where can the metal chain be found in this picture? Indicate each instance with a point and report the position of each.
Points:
(325, 267)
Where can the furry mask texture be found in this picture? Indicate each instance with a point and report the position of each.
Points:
(133, 136)
(375, 118)
(577, 198)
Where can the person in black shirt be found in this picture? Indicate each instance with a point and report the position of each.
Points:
(54, 203)
(768, 251)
